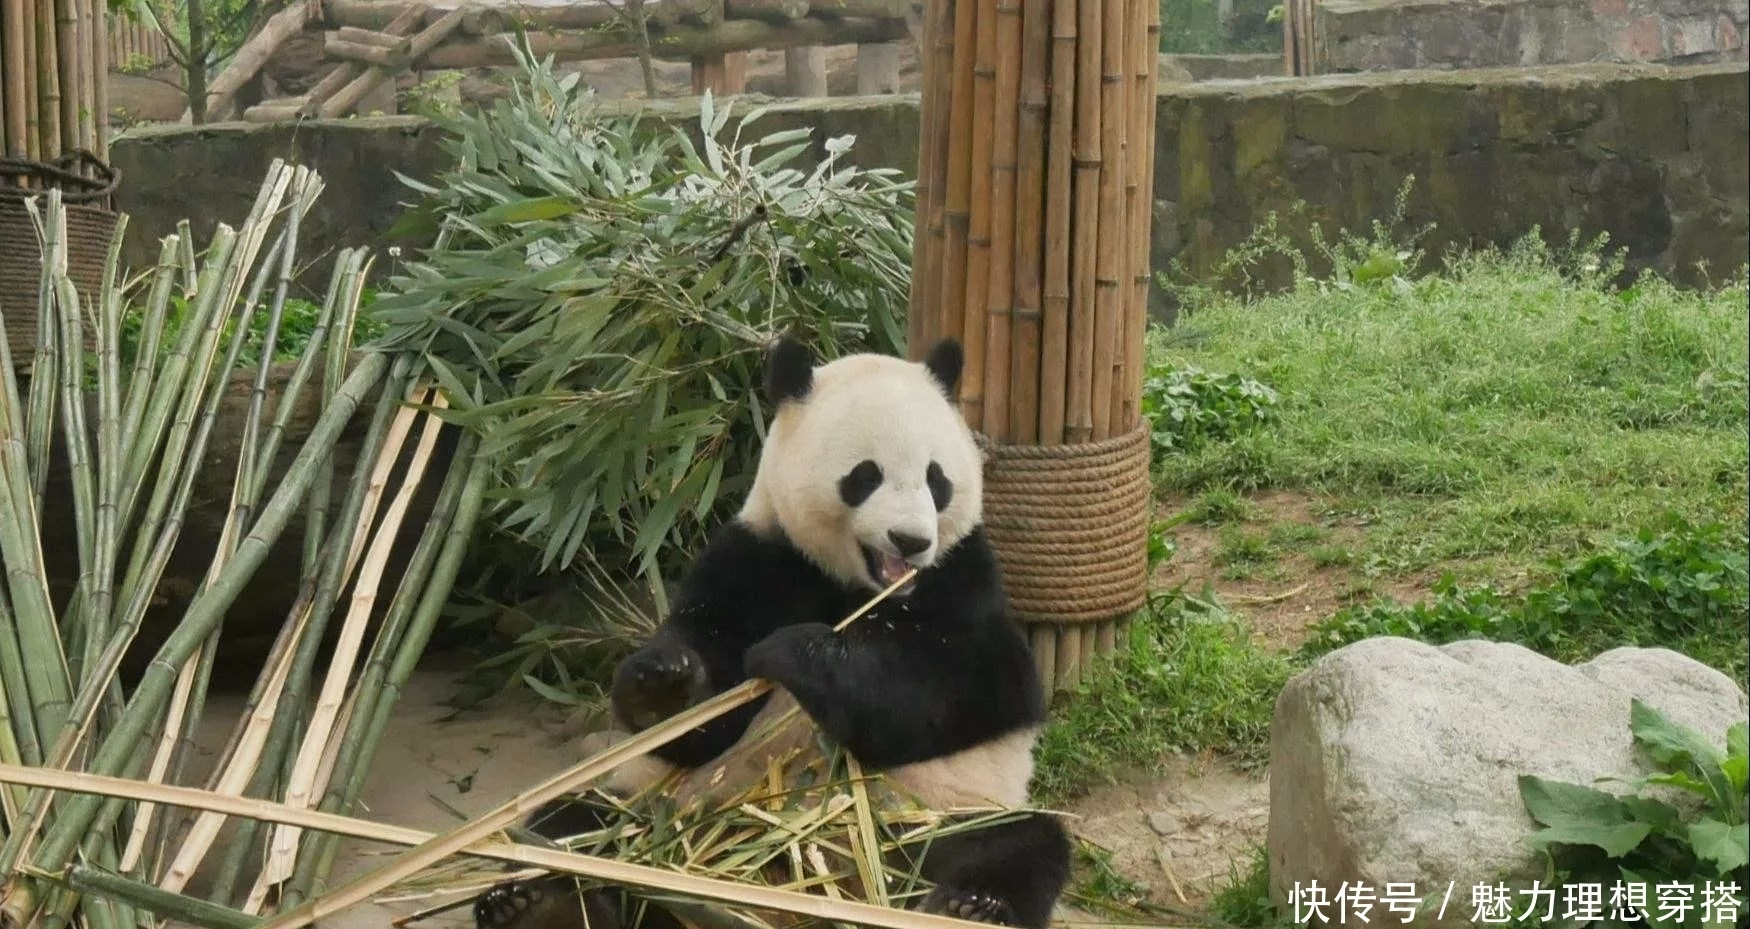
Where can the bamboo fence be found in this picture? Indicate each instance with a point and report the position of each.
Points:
(1034, 184)
(135, 44)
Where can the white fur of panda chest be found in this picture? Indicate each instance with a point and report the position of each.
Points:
(867, 471)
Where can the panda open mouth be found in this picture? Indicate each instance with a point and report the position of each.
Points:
(886, 569)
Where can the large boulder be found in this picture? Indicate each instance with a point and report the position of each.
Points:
(1393, 761)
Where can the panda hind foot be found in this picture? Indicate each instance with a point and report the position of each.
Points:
(962, 904)
(538, 904)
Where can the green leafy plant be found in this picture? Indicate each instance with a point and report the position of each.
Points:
(1681, 585)
(1189, 407)
(1590, 836)
(601, 289)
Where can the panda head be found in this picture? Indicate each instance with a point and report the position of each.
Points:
(868, 467)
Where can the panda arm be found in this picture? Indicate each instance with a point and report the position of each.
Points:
(908, 693)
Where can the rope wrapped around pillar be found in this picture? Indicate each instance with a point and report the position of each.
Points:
(1035, 182)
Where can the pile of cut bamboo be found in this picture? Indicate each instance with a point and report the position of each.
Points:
(1034, 189)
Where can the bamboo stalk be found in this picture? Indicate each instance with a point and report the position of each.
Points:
(1069, 657)
(1000, 301)
(1108, 267)
(1144, 220)
(83, 813)
(33, 128)
(484, 825)
(978, 234)
(323, 725)
(1044, 639)
(12, 77)
(924, 316)
(1029, 244)
(49, 80)
(955, 207)
(1085, 228)
(67, 60)
(406, 629)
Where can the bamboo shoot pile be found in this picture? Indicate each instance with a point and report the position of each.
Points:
(134, 436)
(1034, 189)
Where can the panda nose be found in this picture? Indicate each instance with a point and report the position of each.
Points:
(906, 543)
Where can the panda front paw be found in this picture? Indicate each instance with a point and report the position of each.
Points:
(656, 682)
(967, 905)
(516, 905)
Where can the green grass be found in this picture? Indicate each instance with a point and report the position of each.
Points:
(1188, 678)
(1511, 409)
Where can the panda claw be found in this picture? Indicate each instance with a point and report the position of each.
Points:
(505, 905)
(974, 907)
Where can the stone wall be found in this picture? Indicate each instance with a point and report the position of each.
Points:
(1385, 35)
(1656, 157)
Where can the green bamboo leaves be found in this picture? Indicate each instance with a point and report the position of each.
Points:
(600, 292)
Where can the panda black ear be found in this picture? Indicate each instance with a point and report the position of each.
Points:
(944, 362)
(789, 371)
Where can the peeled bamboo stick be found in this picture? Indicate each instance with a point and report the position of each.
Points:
(1000, 299)
(1059, 216)
(951, 310)
(978, 247)
(1029, 199)
(1109, 266)
(1079, 398)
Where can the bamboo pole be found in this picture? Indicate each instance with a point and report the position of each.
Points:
(12, 83)
(1059, 222)
(1029, 200)
(49, 89)
(978, 247)
(1110, 206)
(1085, 225)
(1142, 208)
(951, 310)
(67, 68)
(32, 84)
(937, 46)
(1000, 300)
(99, 68)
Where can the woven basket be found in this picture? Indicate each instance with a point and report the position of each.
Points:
(90, 225)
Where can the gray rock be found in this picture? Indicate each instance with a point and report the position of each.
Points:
(1164, 823)
(1396, 761)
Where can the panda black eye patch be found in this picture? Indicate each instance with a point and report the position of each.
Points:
(941, 489)
(855, 487)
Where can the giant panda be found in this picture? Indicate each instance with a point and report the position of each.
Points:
(867, 471)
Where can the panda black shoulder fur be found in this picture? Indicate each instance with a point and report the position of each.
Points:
(868, 470)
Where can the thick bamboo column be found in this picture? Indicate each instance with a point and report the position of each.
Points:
(1034, 190)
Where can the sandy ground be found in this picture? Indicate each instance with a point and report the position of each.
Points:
(1174, 830)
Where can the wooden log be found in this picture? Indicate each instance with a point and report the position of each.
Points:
(348, 97)
(250, 58)
(805, 71)
(493, 20)
(331, 83)
(722, 73)
(1029, 245)
(369, 37)
(856, 9)
(776, 11)
(878, 68)
(275, 111)
(681, 42)
(394, 58)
